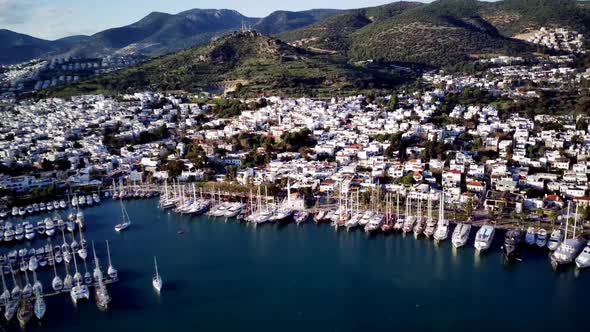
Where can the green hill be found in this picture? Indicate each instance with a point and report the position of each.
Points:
(334, 33)
(248, 62)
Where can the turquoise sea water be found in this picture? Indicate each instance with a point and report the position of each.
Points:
(227, 276)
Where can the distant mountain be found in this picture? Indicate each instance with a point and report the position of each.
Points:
(16, 47)
(160, 33)
(248, 62)
(282, 21)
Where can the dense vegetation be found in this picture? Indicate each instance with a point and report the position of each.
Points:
(247, 64)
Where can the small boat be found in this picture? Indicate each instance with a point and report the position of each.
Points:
(41, 227)
(96, 198)
(33, 263)
(25, 312)
(541, 240)
(111, 271)
(300, 217)
(80, 219)
(555, 239)
(29, 231)
(531, 236)
(461, 235)
(11, 309)
(19, 232)
(126, 220)
(512, 240)
(49, 227)
(484, 237)
(62, 204)
(583, 259)
(157, 279)
(319, 216)
(40, 306)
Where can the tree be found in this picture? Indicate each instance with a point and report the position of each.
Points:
(174, 168)
(46, 165)
(552, 218)
(197, 155)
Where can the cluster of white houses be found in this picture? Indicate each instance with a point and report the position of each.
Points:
(529, 167)
(560, 39)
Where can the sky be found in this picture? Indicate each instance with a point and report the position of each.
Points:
(53, 19)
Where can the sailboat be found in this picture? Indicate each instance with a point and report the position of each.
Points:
(56, 283)
(126, 220)
(442, 228)
(157, 280)
(79, 291)
(5, 296)
(25, 312)
(40, 306)
(570, 248)
(111, 271)
(101, 294)
(82, 252)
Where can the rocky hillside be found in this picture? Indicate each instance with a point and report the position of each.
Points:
(247, 63)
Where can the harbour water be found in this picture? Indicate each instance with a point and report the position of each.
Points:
(222, 276)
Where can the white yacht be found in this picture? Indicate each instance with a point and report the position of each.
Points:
(442, 227)
(569, 249)
(49, 227)
(555, 239)
(484, 237)
(19, 232)
(40, 307)
(583, 259)
(30, 231)
(531, 236)
(541, 240)
(375, 223)
(111, 271)
(157, 279)
(80, 219)
(461, 235)
(126, 220)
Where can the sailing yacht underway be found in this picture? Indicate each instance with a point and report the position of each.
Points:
(484, 238)
(157, 279)
(126, 220)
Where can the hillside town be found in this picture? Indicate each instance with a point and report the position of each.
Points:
(410, 142)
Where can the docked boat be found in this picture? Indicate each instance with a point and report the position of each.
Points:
(375, 223)
(353, 221)
(569, 249)
(157, 279)
(25, 312)
(531, 236)
(541, 240)
(111, 271)
(80, 219)
(281, 214)
(319, 216)
(233, 210)
(484, 237)
(300, 217)
(512, 240)
(41, 227)
(40, 306)
(96, 198)
(8, 232)
(5, 296)
(19, 232)
(126, 221)
(441, 232)
(29, 231)
(555, 239)
(461, 235)
(49, 227)
(583, 259)
(10, 309)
